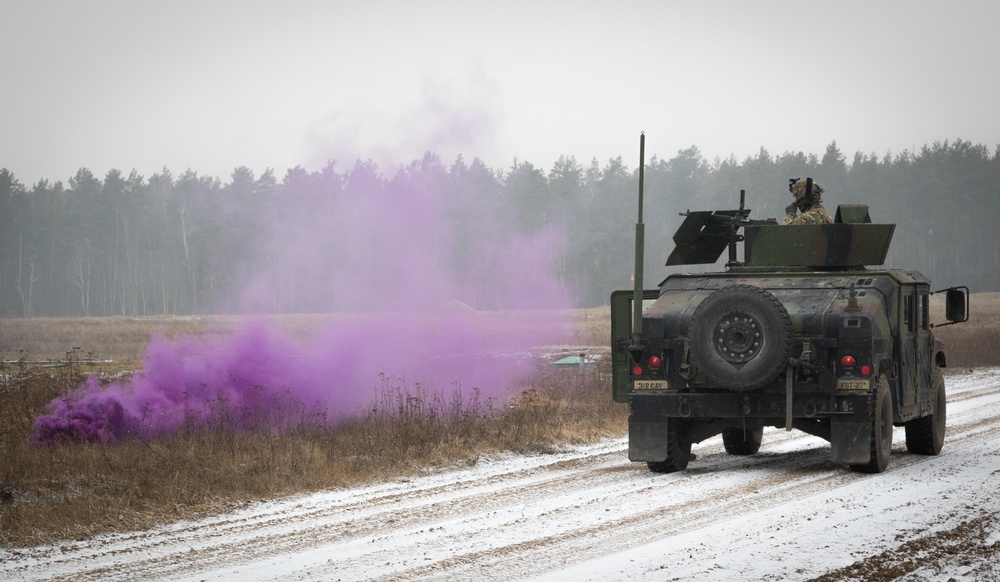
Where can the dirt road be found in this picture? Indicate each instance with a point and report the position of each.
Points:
(786, 513)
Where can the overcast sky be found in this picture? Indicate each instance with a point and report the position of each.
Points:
(210, 85)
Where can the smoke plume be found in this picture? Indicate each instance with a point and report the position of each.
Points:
(430, 291)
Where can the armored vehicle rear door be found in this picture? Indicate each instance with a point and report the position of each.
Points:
(925, 343)
(906, 387)
(915, 343)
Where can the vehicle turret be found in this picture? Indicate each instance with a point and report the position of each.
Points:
(852, 241)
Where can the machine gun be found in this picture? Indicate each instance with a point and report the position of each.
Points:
(703, 235)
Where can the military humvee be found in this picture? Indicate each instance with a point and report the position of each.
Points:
(802, 333)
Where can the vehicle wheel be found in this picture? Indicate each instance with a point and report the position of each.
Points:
(678, 452)
(925, 435)
(741, 337)
(881, 430)
(742, 441)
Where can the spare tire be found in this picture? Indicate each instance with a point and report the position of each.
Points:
(741, 337)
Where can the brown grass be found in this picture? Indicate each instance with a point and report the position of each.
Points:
(69, 491)
(976, 343)
(72, 491)
(124, 339)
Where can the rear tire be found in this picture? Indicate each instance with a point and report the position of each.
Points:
(881, 430)
(678, 452)
(742, 441)
(925, 435)
(741, 337)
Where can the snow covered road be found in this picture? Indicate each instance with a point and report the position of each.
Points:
(786, 513)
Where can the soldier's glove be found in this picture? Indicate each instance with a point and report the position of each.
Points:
(791, 208)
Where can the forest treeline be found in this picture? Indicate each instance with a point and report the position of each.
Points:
(184, 244)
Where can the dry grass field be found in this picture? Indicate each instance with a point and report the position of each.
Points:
(975, 343)
(74, 490)
(71, 491)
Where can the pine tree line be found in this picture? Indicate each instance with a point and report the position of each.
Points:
(129, 245)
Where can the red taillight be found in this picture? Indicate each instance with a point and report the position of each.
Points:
(637, 371)
(655, 362)
(866, 370)
(847, 362)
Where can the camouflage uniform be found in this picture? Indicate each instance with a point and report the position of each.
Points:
(816, 214)
(810, 214)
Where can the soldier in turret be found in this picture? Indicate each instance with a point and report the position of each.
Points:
(806, 208)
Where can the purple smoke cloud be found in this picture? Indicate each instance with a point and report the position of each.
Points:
(260, 378)
(439, 296)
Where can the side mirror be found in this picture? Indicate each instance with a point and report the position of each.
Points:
(956, 305)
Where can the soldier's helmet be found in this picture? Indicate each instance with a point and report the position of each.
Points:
(798, 189)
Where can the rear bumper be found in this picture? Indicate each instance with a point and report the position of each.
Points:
(842, 418)
(755, 405)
